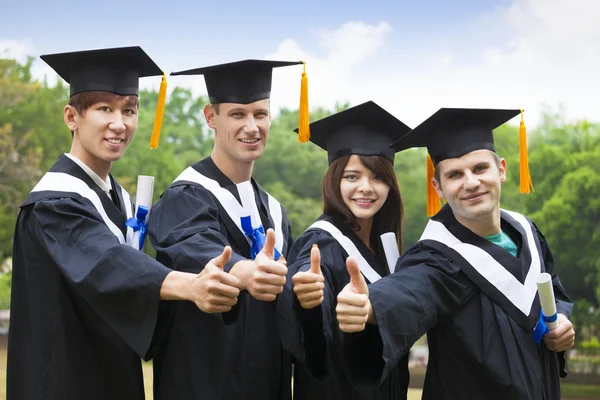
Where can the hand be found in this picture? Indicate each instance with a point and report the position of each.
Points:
(214, 290)
(282, 260)
(354, 308)
(309, 285)
(263, 277)
(563, 337)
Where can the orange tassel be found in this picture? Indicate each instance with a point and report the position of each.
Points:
(433, 200)
(526, 184)
(160, 110)
(303, 114)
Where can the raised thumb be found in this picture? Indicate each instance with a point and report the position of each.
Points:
(356, 278)
(223, 258)
(315, 260)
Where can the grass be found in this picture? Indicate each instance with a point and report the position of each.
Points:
(147, 368)
(569, 390)
(413, 394)
(576, 391)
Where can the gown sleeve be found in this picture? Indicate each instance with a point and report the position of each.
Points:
(564, 304)
(121, 284)
(184, 227)
(426, 288)
(309, 333)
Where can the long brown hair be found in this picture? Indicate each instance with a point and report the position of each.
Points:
(387, 219)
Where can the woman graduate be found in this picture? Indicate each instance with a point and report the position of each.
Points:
(361, 202)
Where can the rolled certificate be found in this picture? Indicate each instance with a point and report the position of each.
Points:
(546, 293)
(390, 248)
(143, 197)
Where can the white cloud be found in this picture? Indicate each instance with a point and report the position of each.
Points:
(332, 77)
(353, 42)
(548, 56)
(16, 49)
(527, 54)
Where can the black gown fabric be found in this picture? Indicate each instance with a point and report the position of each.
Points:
(480, 348)
(235, 355)
(83, 306)
(313, 336)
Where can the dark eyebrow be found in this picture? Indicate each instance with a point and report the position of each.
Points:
(346, 171)
(447, 174)
(237, 110)
(131, 103)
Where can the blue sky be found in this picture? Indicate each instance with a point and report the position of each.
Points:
(412, 57)
(241, 29)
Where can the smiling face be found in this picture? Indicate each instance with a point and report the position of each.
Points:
(471, 185)
(241, 130)
(104, 130)
(363, 192)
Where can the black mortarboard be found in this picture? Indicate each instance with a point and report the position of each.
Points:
(454, 132)
(366, 129)
(115, 70)
(241, 82)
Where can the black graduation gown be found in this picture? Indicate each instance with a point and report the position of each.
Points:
(480, 346)
(83, 305)
(313, 336)
(208, 356)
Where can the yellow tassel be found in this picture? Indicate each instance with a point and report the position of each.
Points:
(433, 200)
(526, 184)
(160, 110)
(303, 114)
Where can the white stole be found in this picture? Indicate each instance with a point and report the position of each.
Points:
(349, 247)
(521, 295)
(62, 182)
(234, 209)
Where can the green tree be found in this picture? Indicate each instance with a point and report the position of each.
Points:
(410, 170)
(182, 141)
(21, 155)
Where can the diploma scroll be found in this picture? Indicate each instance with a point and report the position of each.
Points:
(546, 293)
(390, 248)
(143, 198)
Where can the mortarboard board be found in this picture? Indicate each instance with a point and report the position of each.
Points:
(366, 129)
(247, 81)
(454, 132)
(241, 82)
(115, 70)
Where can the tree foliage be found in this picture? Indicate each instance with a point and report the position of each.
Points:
(564, 160)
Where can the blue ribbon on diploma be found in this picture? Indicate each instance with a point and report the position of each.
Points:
(257, 237)
(541, 328)
(139, 224)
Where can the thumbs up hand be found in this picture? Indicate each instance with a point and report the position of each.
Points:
(264, 277)
(353, 306)
(268, 250)
(309, 285)
(214, 290)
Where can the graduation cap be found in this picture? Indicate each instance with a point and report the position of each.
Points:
(366, 129)
(115, 70)
(247, 81)
(454, 132)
